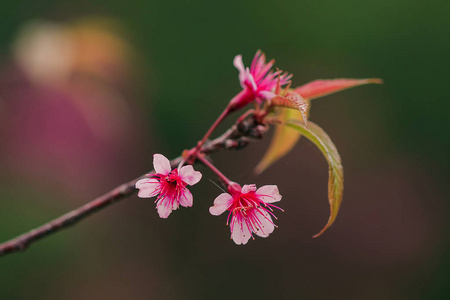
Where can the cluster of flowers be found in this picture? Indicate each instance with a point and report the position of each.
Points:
(250, 209)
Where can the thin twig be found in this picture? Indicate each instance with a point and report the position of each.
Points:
(23, 241)
(233, 138)
(207, 163)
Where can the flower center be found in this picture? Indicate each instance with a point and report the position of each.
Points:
(245, 202)
(172, 177)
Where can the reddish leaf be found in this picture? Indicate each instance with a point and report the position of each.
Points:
(319, 88)
(295, 101)
(302, 105)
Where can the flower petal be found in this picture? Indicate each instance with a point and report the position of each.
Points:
(161, 164)
(265, 226)
(256, 61)
(269, 193)
(163, 211)
(186, 198)
(250, 81)
(148, 193)
(266, 95)
(248, 188)
(237, 62)
(221, 204)
(143, 183)
(189, 175)
(148, 187)
(262, 71)
(223, 199)
(241, 233)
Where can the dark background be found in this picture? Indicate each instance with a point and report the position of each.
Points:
(390, 240)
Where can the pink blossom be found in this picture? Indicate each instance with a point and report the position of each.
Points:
(250, 210)
(258, 81)
(168, 185)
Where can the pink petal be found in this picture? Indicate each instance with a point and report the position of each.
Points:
(248, 188)
(264, 69)
(189, 175)
(143, 183)
(241, 233)
(186, 198)
(255, 61)
(148, 193)
(267, 94)
(161, 164)
(250, 81)
(237, 62)
(259, 65)
(266, 226)
(149, 187)
(269, 193)
(221, 204)
(223, 199)
(164, 211)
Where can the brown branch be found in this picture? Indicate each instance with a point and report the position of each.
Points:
(237, 137)
(23, 241)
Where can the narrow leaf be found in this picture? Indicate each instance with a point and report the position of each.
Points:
(319, 88)
(283, 140)
(336, 173)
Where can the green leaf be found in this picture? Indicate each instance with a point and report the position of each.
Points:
(283, 140)
(336, 173)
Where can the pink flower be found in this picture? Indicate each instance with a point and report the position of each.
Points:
(169, 185)
(258, 82)
(250, 210)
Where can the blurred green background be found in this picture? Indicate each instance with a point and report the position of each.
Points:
(160, 71)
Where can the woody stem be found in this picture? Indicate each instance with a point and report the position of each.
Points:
(226, 141)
